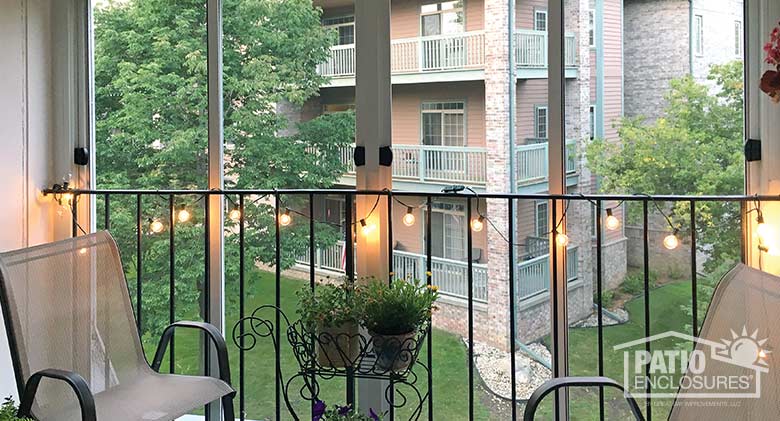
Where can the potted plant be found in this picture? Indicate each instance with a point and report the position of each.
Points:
(393, 315)
(8, 411)
(331, 314)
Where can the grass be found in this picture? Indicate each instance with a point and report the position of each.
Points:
(450, 368)
(666, 314)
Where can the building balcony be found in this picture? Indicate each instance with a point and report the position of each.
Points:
(448, 58)
(415, 166)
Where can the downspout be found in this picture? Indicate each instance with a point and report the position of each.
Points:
(690, 37)
(512, 97)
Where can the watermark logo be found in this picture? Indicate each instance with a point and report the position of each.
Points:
(666, 366)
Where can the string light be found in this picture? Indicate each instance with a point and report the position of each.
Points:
(561, 239)
(285, 218)
(83, 251)
(156, 226)
(66, 199)
(408, 219)
(478, 224)
(234, 214)
(366, 228)
(183, 215)
(671, 241)
(612, 222)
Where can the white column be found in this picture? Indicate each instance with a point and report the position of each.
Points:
(373, 101)
(763, 177)
(216, 298)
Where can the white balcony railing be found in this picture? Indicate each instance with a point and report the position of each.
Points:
(449, 52)
(531, 49)
(533, 276)
(426, 163)
(451, 276)
(532, 161)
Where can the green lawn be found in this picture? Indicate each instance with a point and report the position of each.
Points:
(665, 314)
(450, 368)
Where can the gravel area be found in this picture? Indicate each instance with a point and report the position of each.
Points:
(494, 367)
(607, 320)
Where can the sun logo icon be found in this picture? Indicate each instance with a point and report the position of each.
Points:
(745, 350)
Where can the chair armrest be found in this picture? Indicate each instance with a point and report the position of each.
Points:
(560, 382)
(74, 380)
(211, 331)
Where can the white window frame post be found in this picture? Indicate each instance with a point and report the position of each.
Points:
(557, 185)
(216, 279)
(373, 101)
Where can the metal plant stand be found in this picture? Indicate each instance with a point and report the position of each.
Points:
(350, 356)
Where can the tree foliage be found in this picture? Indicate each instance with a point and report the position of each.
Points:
(151, 81)
(695, 149)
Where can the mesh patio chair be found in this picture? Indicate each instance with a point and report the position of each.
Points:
(745, 298)
(74, 344)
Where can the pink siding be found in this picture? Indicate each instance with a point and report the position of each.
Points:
(524, 17)
(407, 100)
(530, 93)
(613, 67)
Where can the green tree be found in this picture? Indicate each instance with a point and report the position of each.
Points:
(151, 127)
(695, 149)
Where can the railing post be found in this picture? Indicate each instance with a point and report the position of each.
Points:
(422, 162)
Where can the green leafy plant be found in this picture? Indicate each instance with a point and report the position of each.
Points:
(8, 411)
(398, 308)
(329, 305)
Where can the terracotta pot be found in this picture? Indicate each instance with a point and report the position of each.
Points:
(394, 352)
(338, 346)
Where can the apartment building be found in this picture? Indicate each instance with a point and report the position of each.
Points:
(451, 94)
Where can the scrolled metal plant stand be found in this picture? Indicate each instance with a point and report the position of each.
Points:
(395, 362)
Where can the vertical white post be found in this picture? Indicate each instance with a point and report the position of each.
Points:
(373, 100)
(216, 178)
(557, 185)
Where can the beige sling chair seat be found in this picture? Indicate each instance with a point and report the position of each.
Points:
(75, 346)
(745, 301)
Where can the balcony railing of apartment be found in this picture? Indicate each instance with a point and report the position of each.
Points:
(461, 51)
(529, 277)
(466, 165)
(532, 161)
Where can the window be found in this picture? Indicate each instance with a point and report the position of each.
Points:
(438, 18)
(698, 35)
(738, 38)
(540, 20)
(345, 26)
(592, 28)
(448, 230)
(592, 120)
(541, 225)
(443, 124)
(540, 123)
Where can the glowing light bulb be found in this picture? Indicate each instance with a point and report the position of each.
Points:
(762, 353)
(562, 239)
(83, 251)
(156, 226)
(366, 228)
(612, 222)
(66, 199)
(408, 219)
(671, 241)
(234, 214)
(478, 224)
(184, 215)
(765, 232)
(285, 219)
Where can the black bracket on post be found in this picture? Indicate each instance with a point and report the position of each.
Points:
(753, 150)
(385, 156)
(359, 156)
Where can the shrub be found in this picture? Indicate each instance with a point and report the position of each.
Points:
(634, 283)
(8, 411)
(329, 305)
(399, 308)
(607, 298)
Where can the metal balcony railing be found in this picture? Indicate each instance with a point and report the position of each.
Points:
(467, 280)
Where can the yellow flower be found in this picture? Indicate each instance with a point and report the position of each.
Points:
(428, 273)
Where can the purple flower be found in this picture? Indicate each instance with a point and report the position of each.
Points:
(318, 411)
(373, 414)
(344, 410)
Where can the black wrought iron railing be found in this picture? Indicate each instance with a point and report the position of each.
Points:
(248, 249)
